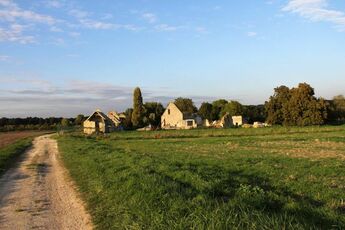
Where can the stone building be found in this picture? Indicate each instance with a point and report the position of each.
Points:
(98, 122)
(174, 118)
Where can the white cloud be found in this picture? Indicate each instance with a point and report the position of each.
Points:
(252, 34)
(11, 12)
(54, 4)
(149, 17)
(107, 16)
(167, 28)
(7, 3)
(201, 30)
(79, 13)
(59, 41)
(15, 34)
(56, 29)
(73, 55)
(14, 17)
(74, 34)
(4, 58)
(85, 21)
(98, 25)
(317, 11)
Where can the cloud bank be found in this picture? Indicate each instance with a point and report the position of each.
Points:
(317, 11)
(23, 97)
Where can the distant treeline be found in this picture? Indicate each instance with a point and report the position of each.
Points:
(37, 123)
(290, 107)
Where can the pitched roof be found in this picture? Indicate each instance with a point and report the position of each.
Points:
(101, 114)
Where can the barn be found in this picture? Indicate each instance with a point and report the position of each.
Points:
(98, 122)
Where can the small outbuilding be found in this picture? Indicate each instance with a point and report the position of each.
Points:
(237, 120)
(98, 122)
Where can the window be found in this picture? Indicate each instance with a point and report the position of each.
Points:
(168, 111)
(189, 123)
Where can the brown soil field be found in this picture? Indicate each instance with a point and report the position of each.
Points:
(11, 137)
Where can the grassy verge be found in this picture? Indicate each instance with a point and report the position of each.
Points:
(272, 178)
(10, 153)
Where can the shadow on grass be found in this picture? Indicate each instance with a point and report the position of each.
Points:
(253, 192)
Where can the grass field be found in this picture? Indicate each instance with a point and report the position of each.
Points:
(272, 178)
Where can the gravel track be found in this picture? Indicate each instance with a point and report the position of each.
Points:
(38, 194)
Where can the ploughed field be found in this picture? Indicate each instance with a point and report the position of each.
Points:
(13, 144)
(271, 178)
(7, 138)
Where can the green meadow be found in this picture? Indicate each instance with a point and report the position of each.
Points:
(271, 178)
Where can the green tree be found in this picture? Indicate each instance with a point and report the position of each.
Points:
(79, 119)
(274, 107)
(296, 106)
(186, 105)
(254, 113)
(152, 113)
(205, 111)
(336, 108)
(304, 108)
(128, 121)
(217, 107)
(65, 122)
(137, 115)
(233, 108)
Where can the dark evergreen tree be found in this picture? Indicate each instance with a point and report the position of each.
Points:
(137, 115)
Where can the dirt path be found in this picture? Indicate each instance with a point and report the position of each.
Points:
(37, 194)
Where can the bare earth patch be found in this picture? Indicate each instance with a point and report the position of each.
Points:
(11, 137)
(37, 194)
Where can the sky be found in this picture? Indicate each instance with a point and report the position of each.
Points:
(66, 57)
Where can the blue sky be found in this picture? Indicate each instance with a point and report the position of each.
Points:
(62, 58)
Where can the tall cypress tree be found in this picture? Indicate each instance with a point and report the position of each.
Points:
(137, 115)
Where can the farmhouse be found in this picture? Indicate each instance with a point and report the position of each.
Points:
(98, 122)
(174, 118)
(117, 118)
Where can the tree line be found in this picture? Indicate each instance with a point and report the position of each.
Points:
(38, 123)
(297, 106)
